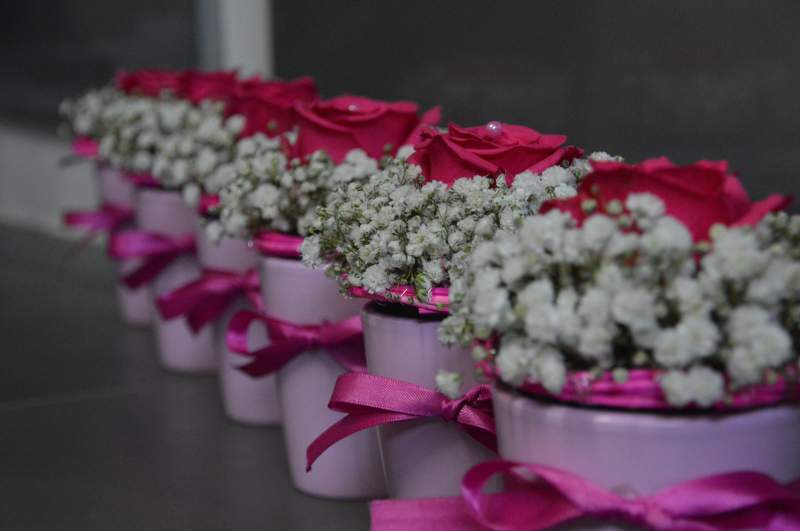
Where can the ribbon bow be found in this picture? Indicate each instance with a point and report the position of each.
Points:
(343, 340)
(108, 217)
(543, 497)
(371, 400)
(203, 300)
(157, 250)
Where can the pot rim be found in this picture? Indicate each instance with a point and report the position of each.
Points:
(685, 413)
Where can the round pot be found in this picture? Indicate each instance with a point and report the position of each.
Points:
(352, 468)
(245, 399)
(641, 453)
(181, 350)
(113, 187)
(421, 458)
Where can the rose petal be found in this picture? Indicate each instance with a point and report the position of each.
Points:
(759, 209)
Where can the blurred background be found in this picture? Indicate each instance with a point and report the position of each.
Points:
(691, 79)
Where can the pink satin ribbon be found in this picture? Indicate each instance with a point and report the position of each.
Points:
(85, 147)
(642, 390)
(278, 244)
(370, 400)
(142, 179)
(107, 218)
(156, 250)
(203, 301)
(437, 302)
(540, 497)
(343, 341)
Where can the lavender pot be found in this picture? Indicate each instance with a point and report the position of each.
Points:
(114, 187)
(351, 469)
(180, 349)
(641, 453)
(245, 400)
(424, 458)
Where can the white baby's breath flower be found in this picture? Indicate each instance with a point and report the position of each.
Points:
(214, 231)
(700, 385)
(449, 383)
(191, 195)
(548, 368)
(667, 235)
(645, 208)
(694, 338)
(598, 231)
(513, 360)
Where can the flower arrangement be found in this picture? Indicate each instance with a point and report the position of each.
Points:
(181, 127)
(415, 221)
(277, 184)
(651, 268)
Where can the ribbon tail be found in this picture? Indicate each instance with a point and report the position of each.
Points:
(273, 357)
(479, 425)
(149, 270)
(784, 521)
(180, 301)
(236, 336)
(209, 310)
(484, 436)
(427, 514)
(347, 426)
(350, 354)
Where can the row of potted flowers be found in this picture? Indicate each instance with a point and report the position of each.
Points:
(629, 328)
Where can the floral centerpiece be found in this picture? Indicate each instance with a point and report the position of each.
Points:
(170, 124)
(651, 319)
(403, 237)
(272, 190)
(651, 266)
(189, 136)
(276, 185)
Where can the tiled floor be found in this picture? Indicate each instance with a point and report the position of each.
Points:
(94, 435)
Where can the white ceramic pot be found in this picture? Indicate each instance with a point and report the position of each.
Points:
(421, 458)
(641, 453)
(245, 399)
(113, 187)
(180, 349)
(351, 469)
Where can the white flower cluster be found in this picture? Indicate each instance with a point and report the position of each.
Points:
(262, 190)
(396, 229)
(603, 297)
(176, 141)
(200, 140)
(91, 114)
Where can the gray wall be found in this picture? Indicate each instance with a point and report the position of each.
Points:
(689, 79)
(53, 49)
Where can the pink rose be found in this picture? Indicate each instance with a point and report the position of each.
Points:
(268, 106)
(699, 195)
(344, 123)
(149, 82)
(487, 150)
(197, 86)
